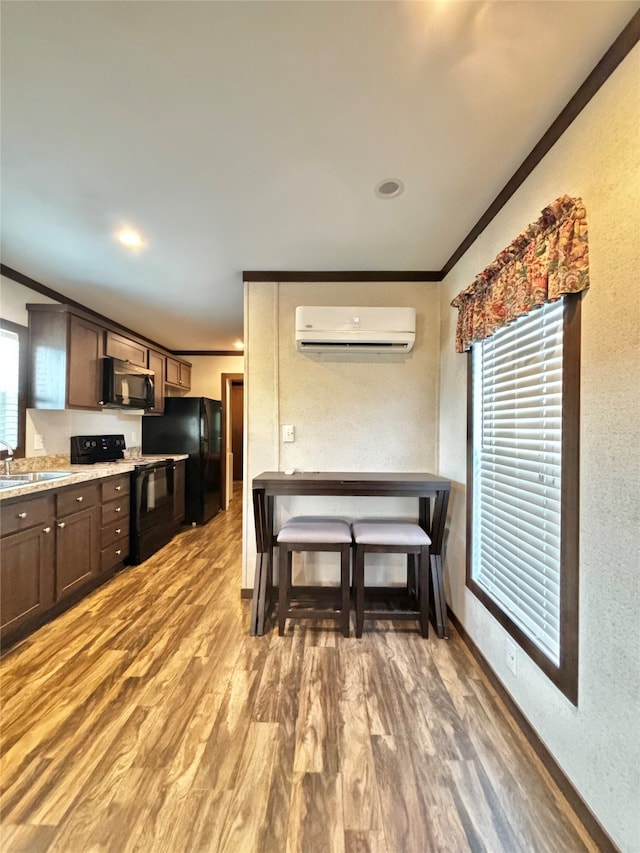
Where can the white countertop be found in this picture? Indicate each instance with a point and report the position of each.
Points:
(82, 474)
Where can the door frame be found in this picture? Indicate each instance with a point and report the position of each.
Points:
(227, 380)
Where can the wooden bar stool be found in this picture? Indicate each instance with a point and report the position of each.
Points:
(389, 536)
(313, 534)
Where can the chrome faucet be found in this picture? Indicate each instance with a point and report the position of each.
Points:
(9, 457)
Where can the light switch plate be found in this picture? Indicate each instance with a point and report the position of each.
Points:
(38, 443)
(288, 432)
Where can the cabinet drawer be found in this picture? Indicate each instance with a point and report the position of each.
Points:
(77, 497)
(114, 554)
(115, 487)
(27, 513)
(125, 349)
(113, 532)
(116, 511)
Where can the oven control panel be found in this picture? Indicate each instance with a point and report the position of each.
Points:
(90, 449)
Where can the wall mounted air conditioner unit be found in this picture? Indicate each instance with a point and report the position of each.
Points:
(350, 330)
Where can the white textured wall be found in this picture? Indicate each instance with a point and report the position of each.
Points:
(13, 299)
(598, 743)
(350, 413)
(207, 370)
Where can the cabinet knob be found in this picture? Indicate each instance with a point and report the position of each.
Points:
(117, 530)
(61, 524)
(119, 551)
(118, 488)
(22, 515)
(118, 509)
(47, 530)
(80, 499)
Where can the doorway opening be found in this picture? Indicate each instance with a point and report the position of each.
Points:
(232, 397)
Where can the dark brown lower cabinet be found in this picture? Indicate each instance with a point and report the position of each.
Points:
(26, 575)
(77, 550)
(77, 537)
(114, 519)
(57, 545)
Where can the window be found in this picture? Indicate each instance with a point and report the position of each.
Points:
(13, 380)
(523, 460)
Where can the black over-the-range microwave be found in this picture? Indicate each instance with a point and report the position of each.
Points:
(127, 386)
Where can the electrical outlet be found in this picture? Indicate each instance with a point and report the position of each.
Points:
(511, 657)
(38, 442)
(288, 432)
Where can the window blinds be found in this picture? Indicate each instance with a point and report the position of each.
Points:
(10, 361)
(517, 384)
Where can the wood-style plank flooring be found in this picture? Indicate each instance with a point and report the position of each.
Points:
(146, 719)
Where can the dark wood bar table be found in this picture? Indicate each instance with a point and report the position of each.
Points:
(273, 484)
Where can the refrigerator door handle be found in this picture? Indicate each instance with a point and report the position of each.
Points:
(206, 423)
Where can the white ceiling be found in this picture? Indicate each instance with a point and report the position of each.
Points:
(250, 136)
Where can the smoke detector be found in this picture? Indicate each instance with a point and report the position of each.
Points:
(389, 188)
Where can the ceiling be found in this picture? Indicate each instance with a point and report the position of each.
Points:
(250, 136)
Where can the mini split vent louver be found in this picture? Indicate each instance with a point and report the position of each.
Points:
(348, 329)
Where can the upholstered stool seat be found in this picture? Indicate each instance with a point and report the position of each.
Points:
(392, 536)
(313, 534)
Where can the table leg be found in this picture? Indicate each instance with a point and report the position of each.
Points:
(256, 625)
(439, 600)
(263, 564)
(435, 528)
(261, 602)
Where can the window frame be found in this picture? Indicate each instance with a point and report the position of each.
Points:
(565, 675)
(23, 343)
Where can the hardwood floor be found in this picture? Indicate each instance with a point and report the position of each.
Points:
(146, 719)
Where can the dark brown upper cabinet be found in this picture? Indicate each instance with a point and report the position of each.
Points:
(65, 352)
(125, 349)
(178, 374)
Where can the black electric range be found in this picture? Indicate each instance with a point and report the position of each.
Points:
(152, 523)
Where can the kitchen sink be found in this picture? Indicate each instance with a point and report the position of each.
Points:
(12, 481)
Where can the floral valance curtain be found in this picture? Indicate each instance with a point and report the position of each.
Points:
(550, 258)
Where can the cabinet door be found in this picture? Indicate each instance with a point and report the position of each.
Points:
(157, 364)
(179, 491)
(178, 374)
(185, 376)
(125, 349)
(26, 575)
(77, 550)
(172, 372)
(84, 390)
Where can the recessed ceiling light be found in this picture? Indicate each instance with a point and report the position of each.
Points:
(239, 345)
(129, 237)
(389, 188)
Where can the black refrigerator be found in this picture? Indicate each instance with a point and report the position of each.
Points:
(191, 425)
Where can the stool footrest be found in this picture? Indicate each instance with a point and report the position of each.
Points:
(393, 614)
(309, 613)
